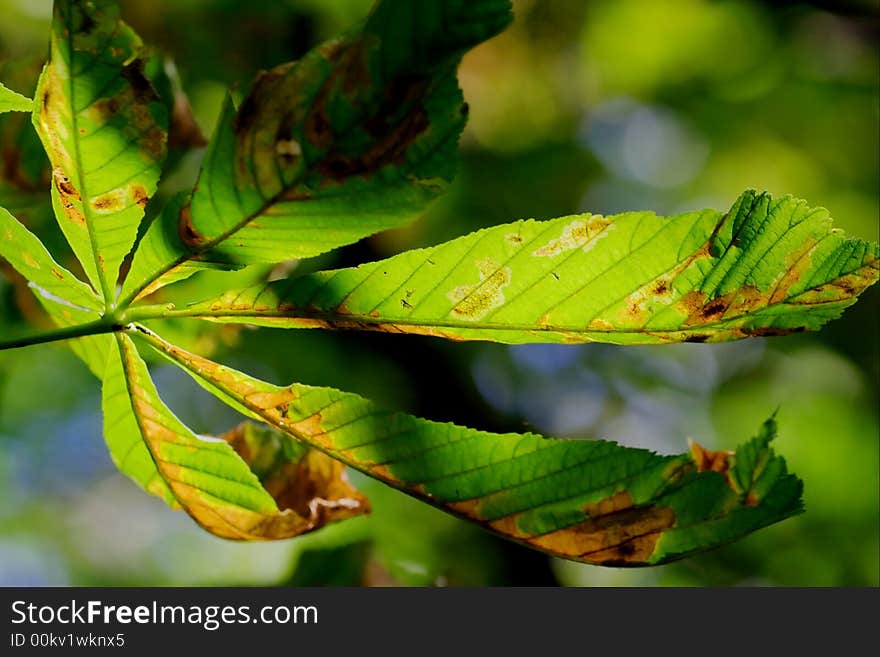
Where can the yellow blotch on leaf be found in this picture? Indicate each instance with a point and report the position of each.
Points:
(472, 302)
(579, 233)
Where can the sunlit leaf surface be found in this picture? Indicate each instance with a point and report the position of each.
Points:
(766, 267)
(250, 484)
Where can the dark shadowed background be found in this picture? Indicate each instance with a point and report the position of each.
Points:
(603, 106)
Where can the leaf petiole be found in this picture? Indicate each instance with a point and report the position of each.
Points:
(67, 333)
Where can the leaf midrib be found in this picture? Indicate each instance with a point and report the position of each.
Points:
(162, 312)
(80, 172)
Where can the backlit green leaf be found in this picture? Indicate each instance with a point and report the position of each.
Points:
(593, 501)
(24, 251)
(250, 484)
(766, 267)
(103, 128)
(356, 137)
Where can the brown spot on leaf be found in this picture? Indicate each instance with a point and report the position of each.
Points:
(692, 303)
(396, 120)
(797, 263)
(188, 233)
(699, 310)
(65, 187)
(317, 126)
(311, 426)
(634, 312)
(138, 82)
(296, 195)
(153, 143)
(469, 508)
(616, 532)
(644, 302)
(112, 201)
(246, 116)
(139, 195)
(617, 502)
(508, 526)
(105, 107)
(773, 331)
(356, 72)
(276, 401)
(600, 324)
(184, 131)
(713, 309)
(349, 74)
(388, 148)
(69, 197)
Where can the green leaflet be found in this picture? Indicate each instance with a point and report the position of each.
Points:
(24, 251)
(103, 128)
(10, 101)
(69, 301)
(251, 484)
(766, 267)
(356, 137)
(594, 501)
(128, 448)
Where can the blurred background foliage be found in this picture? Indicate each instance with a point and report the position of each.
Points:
(604, 106)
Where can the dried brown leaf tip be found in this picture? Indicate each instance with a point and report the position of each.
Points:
(304, 482)
(707, 460)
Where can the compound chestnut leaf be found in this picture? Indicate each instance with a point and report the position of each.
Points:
(104, 130)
